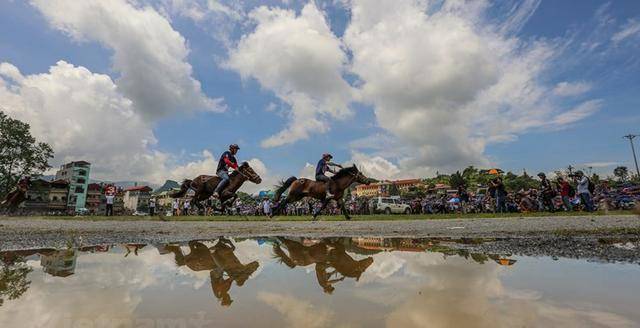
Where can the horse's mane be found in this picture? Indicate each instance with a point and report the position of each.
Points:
(345, 171)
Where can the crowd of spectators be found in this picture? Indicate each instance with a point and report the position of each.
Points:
(575, 193)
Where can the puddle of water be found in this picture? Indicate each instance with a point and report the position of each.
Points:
(297, 282)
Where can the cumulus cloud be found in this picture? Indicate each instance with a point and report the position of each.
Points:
(148, 53)
(301, 61)
(446, 82)
(82, 115)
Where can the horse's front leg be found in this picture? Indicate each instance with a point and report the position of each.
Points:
(317, 212)
(343, 208)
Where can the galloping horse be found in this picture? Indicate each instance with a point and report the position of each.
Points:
(300, 188)
(16, 197)
(205, 185)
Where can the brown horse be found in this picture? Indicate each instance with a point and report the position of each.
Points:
(16, 196)
(300, 188)
(205, 185)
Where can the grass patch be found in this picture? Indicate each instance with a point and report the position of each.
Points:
(330, 218)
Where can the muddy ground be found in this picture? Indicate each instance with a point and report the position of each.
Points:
(597, 238)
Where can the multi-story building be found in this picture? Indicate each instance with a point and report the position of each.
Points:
(37, 196)
(137, 198)
(94, 197)
(58, 193)
(77, 175)
(384, 188)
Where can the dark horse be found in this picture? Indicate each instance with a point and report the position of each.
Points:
(300, 188)
(205, 185)
(16, 196)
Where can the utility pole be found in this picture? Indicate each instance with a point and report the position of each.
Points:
(570, 168)
(633, 150)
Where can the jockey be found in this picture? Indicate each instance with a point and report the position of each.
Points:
(227, 161)
(324, 165)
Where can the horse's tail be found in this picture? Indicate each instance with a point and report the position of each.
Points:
(282, 187)
(186, 184)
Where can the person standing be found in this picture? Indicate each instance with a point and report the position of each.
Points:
(186, 206)
(266, 207)
(548, 193)
(501, 195)
(152, 206)
(584, 191)
(566, 191)
(109, 208)
(176, 207)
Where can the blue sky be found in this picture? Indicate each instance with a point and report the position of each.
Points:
(350, 72)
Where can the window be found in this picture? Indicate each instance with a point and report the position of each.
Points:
(82, 172)
(81, 180)
(79, 190)
(55, 198)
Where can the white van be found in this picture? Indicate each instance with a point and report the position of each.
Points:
(388, 205)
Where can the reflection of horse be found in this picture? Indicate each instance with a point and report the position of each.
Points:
(346, 265)
(205, 185)
(330, 259)
(300, 188)
(220, 260)
(16, 196)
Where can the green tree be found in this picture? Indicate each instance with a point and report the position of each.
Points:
(621, 172)
(20, 154)
(13, 280)
(457, 180)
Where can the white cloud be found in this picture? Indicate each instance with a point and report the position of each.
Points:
(445, 82)
(301, 61)
(571, 89)
(297, 312)
(149, 54)
(578, 113)
(82, 116)
(375, 167)
(630, 29)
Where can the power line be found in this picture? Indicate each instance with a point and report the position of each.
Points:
(633, 150)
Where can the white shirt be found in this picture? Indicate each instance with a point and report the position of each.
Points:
(583, 186)
(176, 204)
(109, 199)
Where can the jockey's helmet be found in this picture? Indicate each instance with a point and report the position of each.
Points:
(234, 146)
(327, 155)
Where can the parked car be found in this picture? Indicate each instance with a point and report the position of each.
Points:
(82, 211)
(389, 205)
(140, 213)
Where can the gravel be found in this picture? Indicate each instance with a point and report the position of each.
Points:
(585, 237)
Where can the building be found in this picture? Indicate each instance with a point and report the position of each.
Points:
(59, 263)
(37, 197)
(385, 189)
(45, 197)
(77, 175)
(94, 197)
(372, 190)
(137, 198)
(164, 199)
(58, 193)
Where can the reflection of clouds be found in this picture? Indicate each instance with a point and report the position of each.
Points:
(460, 294)
(105, 286)
(297, 312)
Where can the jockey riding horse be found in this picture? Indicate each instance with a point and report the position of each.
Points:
(300, 188)
(224, 184)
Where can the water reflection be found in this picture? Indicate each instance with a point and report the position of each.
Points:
(304, 282)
